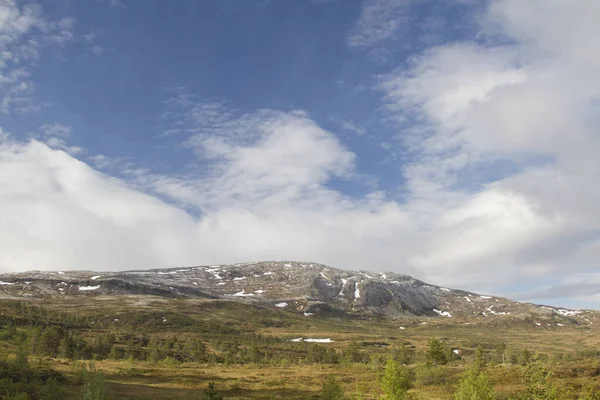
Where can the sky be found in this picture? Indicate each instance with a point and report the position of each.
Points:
(456, 141)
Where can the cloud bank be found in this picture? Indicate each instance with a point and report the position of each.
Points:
(500, 190)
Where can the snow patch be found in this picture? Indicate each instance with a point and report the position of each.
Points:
(356, 291)
(84, 288)
(566, 313)
(310, 340)
(6, 283)
(239, 279)
(402, 328)
(486, 297)
(442, 313)
(268, 273)
(308, 314)
(496, 312)
(344, 281)
(281, 305)
(242, 293)
(560, 324)
(95, 277)
(468, 299)
(260, 291)
(60, 272)
(445, 289)
(328, 283)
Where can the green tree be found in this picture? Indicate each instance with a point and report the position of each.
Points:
(94, 386)
(331, 389)
(475, 386)
(437, 354)
(537, 385)
(500, 353)
(397, 380)
(352, 353)
(210, 393)
(402, 355)
(66, 347)
(195, 351)
(50, 341)
(480, 360)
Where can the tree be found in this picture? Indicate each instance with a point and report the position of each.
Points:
(331, 389)
(475, 386)
(397, 380)
(66, 347)
(500, 353)
(94, 386)
(210, 393)
(437, 354)
(480, 361)
(402, 355)
(352, 353)
(50, 341)
(537, 386)
(196, 351)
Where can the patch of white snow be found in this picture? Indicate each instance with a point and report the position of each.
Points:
(442, 313)
(84, 288)
(341, 293)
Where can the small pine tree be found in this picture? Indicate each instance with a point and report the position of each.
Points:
(537, 386)
(480, 361)
(475, 386)
(402, 355)
(500, 353)
(210, 393)
(94, 386)
(66, 348)
(396, 381)
(437, 353)
(331, 389)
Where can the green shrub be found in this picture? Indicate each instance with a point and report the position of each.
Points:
(331, 389)
(475, 386)
(396, 381)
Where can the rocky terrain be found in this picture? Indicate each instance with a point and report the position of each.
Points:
(307, 288)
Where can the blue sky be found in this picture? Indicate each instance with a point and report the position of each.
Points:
(454, 141)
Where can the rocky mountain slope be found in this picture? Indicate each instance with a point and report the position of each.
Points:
(306, 288)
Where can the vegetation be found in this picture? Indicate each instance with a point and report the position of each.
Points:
(225, 350)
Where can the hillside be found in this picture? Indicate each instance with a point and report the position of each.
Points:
(306, 288)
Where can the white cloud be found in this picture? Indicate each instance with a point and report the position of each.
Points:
(379, 20)
(526, 104)
(56, 129)
(501, 188)
(22, 31)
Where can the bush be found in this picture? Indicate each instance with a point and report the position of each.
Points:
(331, 389)
(537, 386)
(475, 386)
(94, 386)
(396, 381)
(437, 354)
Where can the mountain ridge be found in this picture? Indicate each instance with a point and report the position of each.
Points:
(305, 287)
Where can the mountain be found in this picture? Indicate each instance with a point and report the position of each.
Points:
(303, 287)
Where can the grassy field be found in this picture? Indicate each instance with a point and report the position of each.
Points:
(570, 351)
